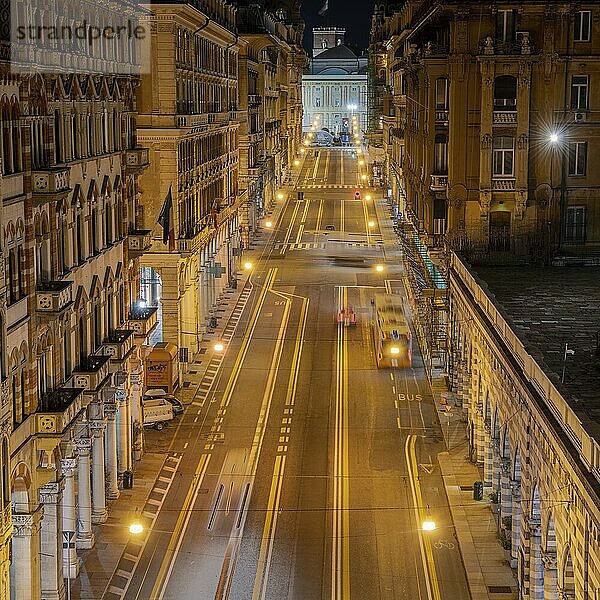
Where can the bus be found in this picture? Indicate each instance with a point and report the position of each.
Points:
(391, 332)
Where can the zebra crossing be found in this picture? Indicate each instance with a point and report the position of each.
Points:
(322, 246)
(329, 186)
(119, 582)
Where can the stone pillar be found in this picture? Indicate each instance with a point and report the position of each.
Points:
(51, 555)
(505, 496)
(25, 581)
(495, 463)
(515, 486)
(550, 575)
(488, 457)
(69, 519)
(536, 568)
(85, 536)
(123, 432)
(112, 481)
(99, 512)
(136, 380)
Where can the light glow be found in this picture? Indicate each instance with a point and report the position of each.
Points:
(218, 347)
(428, 525)
(379, 268)
(553, 138)
(371, 223)
(297, 162)
(136, 528)
(394, 350)
(368, 197)
(363, 177)
(268, 224)
(280, 196)
(248, 265)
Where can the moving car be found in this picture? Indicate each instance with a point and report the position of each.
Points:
(160, 393)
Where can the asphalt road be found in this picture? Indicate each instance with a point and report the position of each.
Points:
(308, 472)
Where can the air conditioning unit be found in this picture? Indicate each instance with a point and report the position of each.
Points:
(579, 116)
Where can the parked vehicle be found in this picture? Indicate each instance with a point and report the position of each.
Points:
(160, 393)
(157, 412)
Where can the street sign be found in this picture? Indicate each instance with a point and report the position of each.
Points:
(217, 270)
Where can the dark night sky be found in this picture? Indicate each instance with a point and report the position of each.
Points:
(354, 15)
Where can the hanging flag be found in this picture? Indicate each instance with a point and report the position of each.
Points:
(166, 220)
(324, 9)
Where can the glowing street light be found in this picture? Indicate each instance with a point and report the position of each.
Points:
(363, 177)
(554, 137)
(297, 162)
(379, 268)
(136, 528)
(301, 150)
(269, 224)
(394, 350)
(248, 266)
(279, 196)
(371, 223)
(361, 162)
(368, 197)
(218, 347)
(428, 525)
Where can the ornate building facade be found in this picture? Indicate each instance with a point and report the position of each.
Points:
(71, 376)
(488, 124)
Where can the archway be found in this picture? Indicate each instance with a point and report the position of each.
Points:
(536, 568)
(568, 577)
(550, 562)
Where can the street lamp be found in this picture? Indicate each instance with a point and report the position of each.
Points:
(428, 525)
(136, 528)
(556, 141)
(218, 347)
(268, 224)
(368, 197)
(248, 266)
(379, 268)
(279, 196)
(371, 223)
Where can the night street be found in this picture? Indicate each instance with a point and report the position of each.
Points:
(308, 472)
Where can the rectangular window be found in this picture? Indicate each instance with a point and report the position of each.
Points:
(505, 25)
(441, 93)
(579, 92)
(575, 225)
(577, 158)
(582, 27)
(440, 155)
(317, 101)
(503, 156)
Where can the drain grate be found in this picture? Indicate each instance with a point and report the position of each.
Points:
(499, 589)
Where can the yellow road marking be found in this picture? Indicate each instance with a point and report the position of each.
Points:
(433, 590)
(185, 513)
(288, 233)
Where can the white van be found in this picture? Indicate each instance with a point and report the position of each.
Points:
(157, 412)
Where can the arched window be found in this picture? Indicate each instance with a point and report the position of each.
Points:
(505, 93)
(7, 154)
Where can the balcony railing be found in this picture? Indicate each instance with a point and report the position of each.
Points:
(118, 345)
(503, 184)
(58, 409)
(191, 120)
(505, 117)
(54, 296)
(50, 184)
(254, 99)
(91, 374)
(12, 185)
(143, 320)
(136, 159)
(441, 116)
(139, 241)
(439, 182)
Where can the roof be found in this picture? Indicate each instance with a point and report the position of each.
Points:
(548, 307)
(335, 53)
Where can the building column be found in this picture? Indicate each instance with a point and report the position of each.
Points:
(85, 536)
(550, 575)
(536, 568)
(488, 458)
(51, 555)
(137, 428)
(515, 486)
(69, 519)
(99, 512)
(123, 432)
(505, 496)
(112, 480)
(25, 581)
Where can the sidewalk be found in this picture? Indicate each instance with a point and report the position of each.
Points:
(487, 567)
(106, 569)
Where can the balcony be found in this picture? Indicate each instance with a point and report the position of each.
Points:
(504, 184)
(118, 346)
(441, 117)
(439, 183)
(50, 185)
(54, 296)
(191, 120)
(138, 242)
(505, 117)
(136, 160)
(91, 374)
(12, 186)
(143, 320)
(254, 99)
(58, 409)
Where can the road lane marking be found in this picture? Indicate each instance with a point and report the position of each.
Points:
(303, 220)
(288, 233)
(431, 581)
(170, 555)
(269, 529)
(340, 555)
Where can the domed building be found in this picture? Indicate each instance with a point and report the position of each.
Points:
(334, 86)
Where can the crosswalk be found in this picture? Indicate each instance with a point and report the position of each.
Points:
(328, 186)
(322, 246)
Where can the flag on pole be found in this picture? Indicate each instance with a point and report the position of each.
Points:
(166, 220)
(324, 9)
